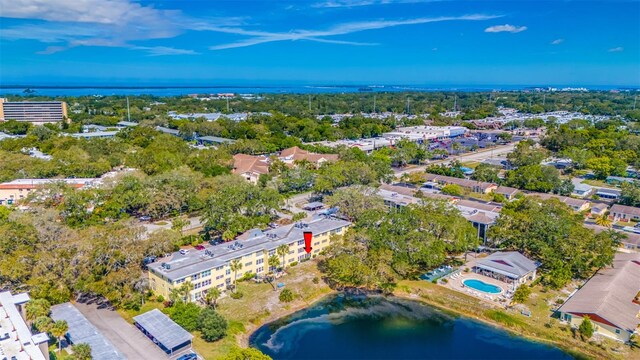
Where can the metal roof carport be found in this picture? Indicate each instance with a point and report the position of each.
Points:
(163, 331)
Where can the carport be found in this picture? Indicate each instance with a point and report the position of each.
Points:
(165, 333)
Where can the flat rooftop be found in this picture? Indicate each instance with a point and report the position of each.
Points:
(20, 343)
(255, 240)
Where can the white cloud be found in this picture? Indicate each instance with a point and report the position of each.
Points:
(505, 28)
(557, 41)
(260, 37)
(357, 3)
(164, 50)
(616, 49)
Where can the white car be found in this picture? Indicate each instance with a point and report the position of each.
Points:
(184, 251)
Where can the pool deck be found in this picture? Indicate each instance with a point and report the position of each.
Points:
(455, 281)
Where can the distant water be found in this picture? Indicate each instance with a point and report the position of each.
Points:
(373, 327)
(286, 89)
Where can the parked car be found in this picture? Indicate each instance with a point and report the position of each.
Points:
(190, 356)
(145, 218)
(199, 247)
(184, 251)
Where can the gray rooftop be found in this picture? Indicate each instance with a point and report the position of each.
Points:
(163, 329)
(510, 263)
(610, 293)
(216, 139)
(82, 331)
(252, 241)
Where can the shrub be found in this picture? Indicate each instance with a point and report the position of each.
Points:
(212, 325)
(444, 281)
(237, 295)
(185, 315)
(81, 351)
(293, 264)
(586, 328)
(316, 280)
(286, 296)
(247, 276)
(160, 298)
(521, 294)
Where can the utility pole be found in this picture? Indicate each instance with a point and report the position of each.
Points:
(128, 112)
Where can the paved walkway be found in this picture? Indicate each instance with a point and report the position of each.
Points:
(129, 340)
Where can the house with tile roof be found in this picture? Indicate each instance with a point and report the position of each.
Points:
(250, 167)
(291, 155)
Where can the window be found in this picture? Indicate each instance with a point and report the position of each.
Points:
(272, 268)
(220, 268)
(206, 282)
(220, 285)
(291, 260)
(197, 285)
(206, 273)
(228, 272)
(300, 250)
(301, 242)
(259, 253)
(179, 281)
(260, 269)
(195, 277)
(259, 261)
(324, 241)
(219, 277)
(272, 252)
(617, 331)
(248, 263)
(316, 243)
(302, 257)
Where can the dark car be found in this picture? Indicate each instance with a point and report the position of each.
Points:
(190, 356)
(199, 247)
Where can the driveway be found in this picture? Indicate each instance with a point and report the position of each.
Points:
(126, 337)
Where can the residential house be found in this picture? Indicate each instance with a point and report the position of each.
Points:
(250, 167)
(610, 299)
(508, 192)
(581, 190)
(291, 155)
(624, 213)
(609, 194)
(471, 185)
(578, 205)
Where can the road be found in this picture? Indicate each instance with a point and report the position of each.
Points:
(194, 223)
(480, 155)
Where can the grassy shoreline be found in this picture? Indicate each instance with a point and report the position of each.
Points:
(530, 328)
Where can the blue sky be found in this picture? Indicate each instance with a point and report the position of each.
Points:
(320, 42)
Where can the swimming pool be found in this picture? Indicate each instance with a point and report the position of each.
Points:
(482, 286)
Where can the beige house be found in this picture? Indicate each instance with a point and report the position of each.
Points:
(250, 167)
(625, 213)
(293, 154)
(610, 299)
(472, 185)
(578, 205)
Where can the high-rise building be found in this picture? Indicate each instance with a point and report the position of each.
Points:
(38, 112)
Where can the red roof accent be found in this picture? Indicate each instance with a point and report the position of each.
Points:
(502, 262)
(596, 318)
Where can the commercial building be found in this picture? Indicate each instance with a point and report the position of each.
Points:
(250, 167)
(82, 331)
(38, 112)
(16, 340)
(13, 191)
(211, 267)
(624, 213)
(425, 134)
(610, 299)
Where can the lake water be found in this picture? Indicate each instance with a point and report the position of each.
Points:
(373, 327)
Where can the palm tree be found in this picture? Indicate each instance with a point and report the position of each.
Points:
(185, 290)
(282, 250)
(273, 262)
(58, 329)
(235, 266)
(211, 297)
(603, 220)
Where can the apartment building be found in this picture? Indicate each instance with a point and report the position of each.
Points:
(16, 339)
(211, 267)
(38, 112)
(13, 191)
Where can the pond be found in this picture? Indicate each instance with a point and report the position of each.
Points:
(347, 326)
